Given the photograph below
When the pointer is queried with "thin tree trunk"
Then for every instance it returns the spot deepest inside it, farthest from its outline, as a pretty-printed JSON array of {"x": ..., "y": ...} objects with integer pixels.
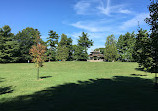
[
  {"x": 38, "y": 73},
  {"x": 156, "y": 79}
]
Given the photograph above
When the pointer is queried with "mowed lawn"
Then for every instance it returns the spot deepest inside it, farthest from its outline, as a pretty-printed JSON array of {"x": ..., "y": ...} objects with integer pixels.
[{"x": 77, "y": 86}]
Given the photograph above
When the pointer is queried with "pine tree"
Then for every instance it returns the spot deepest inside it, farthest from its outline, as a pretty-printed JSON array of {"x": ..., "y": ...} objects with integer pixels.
[
  {"x": 52, "y": 44},
  {"x": 9, "y": 47},
  {"x": 84, "y": 43},
  {"x": 64, "y": 48},
  {"x": 142, "y": 50},
  {"x": 125, "y": 46}
]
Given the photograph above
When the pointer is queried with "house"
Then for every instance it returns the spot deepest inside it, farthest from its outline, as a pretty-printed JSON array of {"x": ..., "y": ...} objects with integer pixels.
[{"x": 96, "y": 56}]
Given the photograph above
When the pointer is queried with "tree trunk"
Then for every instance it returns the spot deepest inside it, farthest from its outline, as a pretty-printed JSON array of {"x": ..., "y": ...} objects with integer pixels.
[
  {"x": 156, "y": 79},
  {"x": 49, "y": 57},
  {"x": 38, "y": 73}
]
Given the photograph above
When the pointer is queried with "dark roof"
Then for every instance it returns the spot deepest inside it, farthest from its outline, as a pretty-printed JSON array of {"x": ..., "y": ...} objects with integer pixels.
[{"x": 96, "y": 54}]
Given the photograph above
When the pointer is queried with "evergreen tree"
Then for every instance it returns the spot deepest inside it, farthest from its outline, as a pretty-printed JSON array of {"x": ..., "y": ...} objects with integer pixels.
[
  {"x": 153, "y": 22},
  {"x": 142, "y": 50},
  {"x": 110, "y": 53},
  {"x": 64, "y": 48},
  {"x": 9, "y": 47},
  {"x": 52, "y": 44},
  {"x": 84, "y": 43},
  {"x": 125, "y": 46}
]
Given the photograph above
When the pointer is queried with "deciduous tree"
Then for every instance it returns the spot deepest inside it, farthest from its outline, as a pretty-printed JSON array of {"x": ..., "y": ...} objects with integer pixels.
[
  {"x": 38, "y": 53},
  {"x": 110, "y": 53}
]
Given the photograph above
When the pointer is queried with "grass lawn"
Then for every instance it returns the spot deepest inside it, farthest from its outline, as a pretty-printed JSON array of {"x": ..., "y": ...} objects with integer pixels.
[{"x": 77, "y": 86}]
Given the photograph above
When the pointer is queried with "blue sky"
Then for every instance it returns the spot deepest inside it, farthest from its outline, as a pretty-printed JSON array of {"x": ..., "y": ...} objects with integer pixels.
[{"x": 99, "y": 18}]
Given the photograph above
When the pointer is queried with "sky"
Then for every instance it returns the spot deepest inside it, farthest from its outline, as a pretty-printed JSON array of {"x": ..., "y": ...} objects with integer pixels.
[{"x": 98, "y": 18}]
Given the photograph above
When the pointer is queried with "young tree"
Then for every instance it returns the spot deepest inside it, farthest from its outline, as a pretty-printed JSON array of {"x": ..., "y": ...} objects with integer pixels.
[
  {"x": 110, "y": 53},
  {"x": 52, "y": 43},
  {"x": 84, "y": 43},
  {"x": 9, "y": 47},
  {"x": 38, "y": 53}
]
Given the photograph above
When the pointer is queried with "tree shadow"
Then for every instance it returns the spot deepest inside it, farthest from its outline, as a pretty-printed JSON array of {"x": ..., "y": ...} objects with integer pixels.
[
  {"x": 4, "y": 90},
  {"x": 139, "y": 69},
  {"x": 118, "y": 94},
  {"x": 138, "y": 75},
  {"x": 43, "y": 77}
]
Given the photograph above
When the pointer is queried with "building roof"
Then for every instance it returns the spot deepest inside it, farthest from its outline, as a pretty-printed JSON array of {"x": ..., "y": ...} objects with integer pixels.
[{"x": 95, "y": 54}]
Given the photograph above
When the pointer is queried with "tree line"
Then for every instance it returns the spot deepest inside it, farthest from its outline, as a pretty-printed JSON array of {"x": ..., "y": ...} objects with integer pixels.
[{"x": 16, "y": 47}]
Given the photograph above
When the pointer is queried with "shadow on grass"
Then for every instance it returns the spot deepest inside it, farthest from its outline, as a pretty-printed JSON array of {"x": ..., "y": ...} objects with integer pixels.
[
  {"x": 138, "y": 75},
  {"x": 43, "y": 77},
  {"x": 118, "y": 94},
  {"x": 139, "y": 69},
  {"x": 4, "y": 90}
]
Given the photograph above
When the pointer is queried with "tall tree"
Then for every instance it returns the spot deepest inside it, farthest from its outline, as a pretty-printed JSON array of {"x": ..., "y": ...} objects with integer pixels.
[
  {"x": 142, "y": 50},
  {"x": 52, "y": 44},
  {"x": 125, "y": 46},
  {"x": 84, "y": 43},
  {"x": 110, "y": 53},
  {"x": 64, "y": 48},
  {"x": 153, "y": 22},
  {"x": 38, "y": 53},
  {"x": 9, "y": 47},
  {"x": 26, "y": 38}
]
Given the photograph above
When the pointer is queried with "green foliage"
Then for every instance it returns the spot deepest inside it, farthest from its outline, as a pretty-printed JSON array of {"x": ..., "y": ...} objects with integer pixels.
[
  {"x": 52, "y": 43},
  {"x": 153, "y": 22},
  {"x": 110, "y": 53},
  {"x": 142, "y": 50},
  {"x": 84, "y": 43},
  {"x": 100, "y": 49},
  {"x": 125, "y": 46},
  {"x": 64, "y": 49},
  {"x": 9, "y": 47},
  {"x": 26, "y": 38}
]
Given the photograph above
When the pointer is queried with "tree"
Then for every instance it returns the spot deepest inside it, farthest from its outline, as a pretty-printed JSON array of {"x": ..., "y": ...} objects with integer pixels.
[
  {"x": 84, "y": 43},
  {"x": 38, "y": 53},
  {"x": 153, "y": 22},
  {"x": 9, "y": 47},
  {"x": 125, "y": 46},
  {"x": 142, "y": 50},
  {"x": 100, "y": 49},
  {"x": 26, "y": 38},
  {"x": 110, "y": 53},
  {"x": 77, "y": 52},
  {"x": 52, "y": 44},
  {"x": 64, "y": 48}
]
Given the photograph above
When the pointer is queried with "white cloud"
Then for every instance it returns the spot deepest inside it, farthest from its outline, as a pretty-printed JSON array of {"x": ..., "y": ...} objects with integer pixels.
[
  {"x": 87, "y": 7},
  {"x": 88, "y": 27},
  {"x": 134, "y": 21},
  {"x": 125, "y": 11},
  {"x": 81, "y": 7}
]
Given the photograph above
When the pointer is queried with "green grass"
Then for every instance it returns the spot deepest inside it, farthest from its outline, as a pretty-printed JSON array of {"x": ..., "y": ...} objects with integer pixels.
[{"x": 76, "y": 86}]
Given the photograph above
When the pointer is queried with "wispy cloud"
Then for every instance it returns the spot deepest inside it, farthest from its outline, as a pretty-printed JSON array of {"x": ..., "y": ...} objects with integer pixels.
[
  {"x": 81, "y": 7},
  {"x": 134, "y": 21},
  {"x": 85, "y": 7}
]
